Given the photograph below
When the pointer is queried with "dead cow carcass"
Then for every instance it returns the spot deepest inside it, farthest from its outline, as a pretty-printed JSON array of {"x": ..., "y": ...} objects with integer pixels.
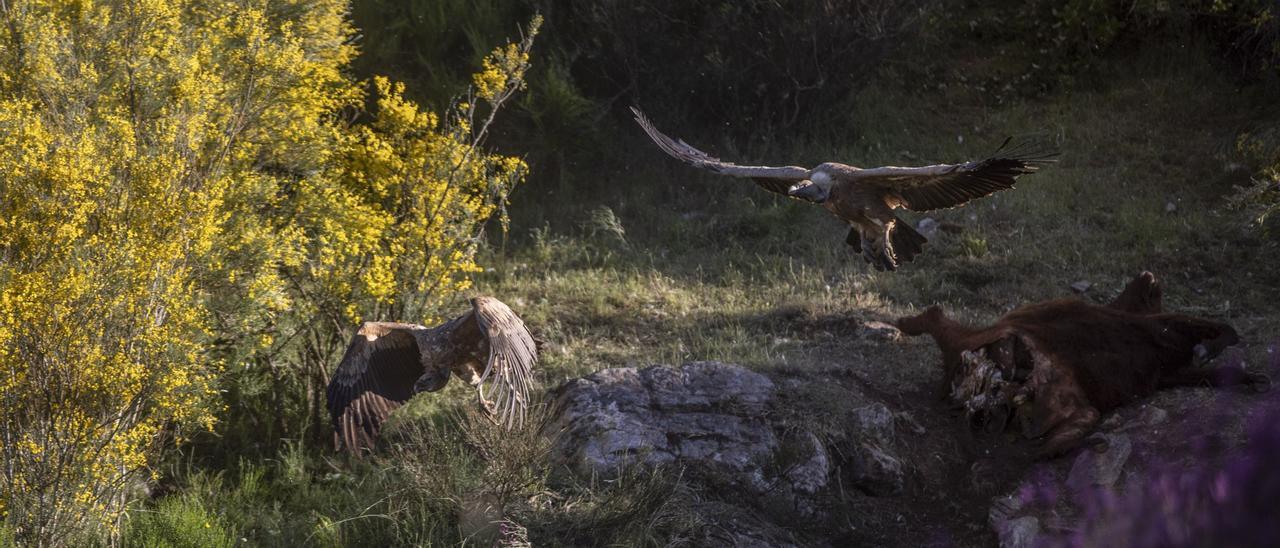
[{"x": 1055, "y": 366}]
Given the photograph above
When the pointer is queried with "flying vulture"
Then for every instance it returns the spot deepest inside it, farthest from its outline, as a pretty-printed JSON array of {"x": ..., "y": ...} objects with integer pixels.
[
  {"x": 866, "y": 198},
  {"x": 387, "y": 363}
]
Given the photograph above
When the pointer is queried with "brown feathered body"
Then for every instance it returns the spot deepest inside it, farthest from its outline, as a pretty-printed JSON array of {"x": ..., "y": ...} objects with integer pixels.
[
  {"x": 386, "y": 363},
  {"x": 865, "y": 198},
  {"x": 1055, "y": 366}
]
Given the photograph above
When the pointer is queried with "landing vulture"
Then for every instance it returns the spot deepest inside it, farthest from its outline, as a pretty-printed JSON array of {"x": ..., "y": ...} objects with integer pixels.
[
  {"x": 866, "y": 198},
  {"x": 387, "y": 363}
]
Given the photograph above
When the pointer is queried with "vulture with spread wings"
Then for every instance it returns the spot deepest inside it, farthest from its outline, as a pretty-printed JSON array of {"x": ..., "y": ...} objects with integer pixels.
[
  {"x": 387, "y": 363},
  {"x": 866, "y": 198}
]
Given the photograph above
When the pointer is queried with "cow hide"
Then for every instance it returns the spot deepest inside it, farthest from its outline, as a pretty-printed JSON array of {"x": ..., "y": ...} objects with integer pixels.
[{"x": 1052, "y": 368}]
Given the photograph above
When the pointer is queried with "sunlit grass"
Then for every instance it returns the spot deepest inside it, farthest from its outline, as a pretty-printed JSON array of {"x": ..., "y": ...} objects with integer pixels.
[{"x": 668, "y": 265}]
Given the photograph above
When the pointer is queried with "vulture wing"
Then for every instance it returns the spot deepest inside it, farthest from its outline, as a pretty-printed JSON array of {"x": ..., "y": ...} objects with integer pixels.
[
  {"x": 375, "y": 377},
  {"x": 773, "y": 179},
  {"x": 950, "y": 185},
  {"x": 512, "y": 355}
]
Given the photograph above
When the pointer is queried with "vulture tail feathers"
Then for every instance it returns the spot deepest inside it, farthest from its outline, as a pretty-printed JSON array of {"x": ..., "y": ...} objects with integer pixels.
[
  {"x": 854, "y": 239},
  {"x": 902, "y": 245},
  {"x": 907, "y": 243}
]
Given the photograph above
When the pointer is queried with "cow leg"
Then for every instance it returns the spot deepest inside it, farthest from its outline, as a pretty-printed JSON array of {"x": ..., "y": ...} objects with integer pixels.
[
  {"x": 1141, "y": 296},
  {"x": 1215, "y": 376},
  {"x": 1060, "y": 416},
  {"x": 1069, "y": 434}
]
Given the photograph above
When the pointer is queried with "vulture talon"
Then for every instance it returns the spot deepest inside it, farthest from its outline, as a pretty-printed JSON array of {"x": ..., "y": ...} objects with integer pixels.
[
  {"x": 866, "y": 198},
  {"x": 487, "y": 408}
]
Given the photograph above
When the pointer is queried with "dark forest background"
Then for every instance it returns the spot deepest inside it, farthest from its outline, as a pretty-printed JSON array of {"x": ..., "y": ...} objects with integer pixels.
[{"x": 753, "y": 77}]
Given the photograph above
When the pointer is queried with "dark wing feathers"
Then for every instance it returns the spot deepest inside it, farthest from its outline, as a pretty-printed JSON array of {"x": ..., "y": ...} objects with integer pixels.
[
  {"x": 374, "y": 378},
  {"x": 512, "y": 355},
  {"x": 774, "y": 185},
  {"x": 950, "y": 185},
  {"x": 966, "y": 183},
  {"x": 781, "y": 177}
]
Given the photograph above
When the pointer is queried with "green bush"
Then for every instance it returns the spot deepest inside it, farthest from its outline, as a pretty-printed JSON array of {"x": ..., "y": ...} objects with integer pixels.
[
  {"x": 1260, "y": 199},
  {"x": 178, "y": 522},
  {"x": 1052, "y": 42}
]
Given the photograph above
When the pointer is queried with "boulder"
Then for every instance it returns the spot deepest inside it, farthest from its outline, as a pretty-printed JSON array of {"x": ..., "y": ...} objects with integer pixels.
[
  {"x": 1093, "y": 469},
  {"x": 1019, "y": 533},
  {"x": 875, "y": 468},
  {"x": 706, "y": 417},
  {"x": 704, "y": 413},
  {"x": 1147, "y": 455}
]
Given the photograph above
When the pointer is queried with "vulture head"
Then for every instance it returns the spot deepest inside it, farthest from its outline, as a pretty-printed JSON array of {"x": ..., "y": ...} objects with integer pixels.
[
  {"x": 432, "y": 380},
  {"x": 816, "y": 188},
  {"x": 809, "y": 191}
]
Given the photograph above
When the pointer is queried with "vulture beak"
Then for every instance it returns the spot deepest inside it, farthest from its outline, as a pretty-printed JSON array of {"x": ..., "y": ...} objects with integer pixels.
[{"x": 806, "y": 190}]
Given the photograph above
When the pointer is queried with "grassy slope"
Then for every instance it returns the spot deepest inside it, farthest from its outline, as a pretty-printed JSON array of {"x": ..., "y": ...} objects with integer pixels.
[
  {"x": 714, "y": 269},
  {"x": 722, "y": 270},
  {"x": 684, "y": 266}
]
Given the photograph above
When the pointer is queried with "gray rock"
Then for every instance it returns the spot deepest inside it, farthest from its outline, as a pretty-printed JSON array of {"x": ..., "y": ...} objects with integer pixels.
[
  {"x": 704, "y": 413},
  {"x": 1003, "y": 509},
  {"x": 1022, "y": 532},
  {"x": 707, "y": 417},
  {"x": 876, "y": 469},
  {"x": 1112, "y": 422},
  {"x": 1153, "y": 416},
  {"x": 1081, "y": 286},
  {"x": 1148, "y": 417},
  {"x": 813, "y": 474},
  {"x": 1100, "y": 469},
  {"x": 875, "y": 423},
  {"x": 1012, "y": 530},
  {"x": 1142, "y": 440},
  {"x": 876, "y": 472}
]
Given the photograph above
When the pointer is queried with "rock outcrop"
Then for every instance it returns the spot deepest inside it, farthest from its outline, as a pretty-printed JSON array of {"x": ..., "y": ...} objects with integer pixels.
[
  {"x": 1174, "y": 436},
  {"x": 704, "y": 413},
  {"x": 822, "y": 451},
  {"x": 708, "y": 418}
]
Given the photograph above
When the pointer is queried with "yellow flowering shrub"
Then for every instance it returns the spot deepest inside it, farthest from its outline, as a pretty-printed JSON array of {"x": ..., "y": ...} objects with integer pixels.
[
  {"x": 498, "y": 68},
  {"x": 184, "y": 201}
]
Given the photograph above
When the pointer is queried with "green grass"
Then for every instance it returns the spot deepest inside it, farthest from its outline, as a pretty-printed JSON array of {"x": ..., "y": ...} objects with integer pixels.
[
  {"x": 705, "y": 276},
  {"x": 656, "y": 263}
]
